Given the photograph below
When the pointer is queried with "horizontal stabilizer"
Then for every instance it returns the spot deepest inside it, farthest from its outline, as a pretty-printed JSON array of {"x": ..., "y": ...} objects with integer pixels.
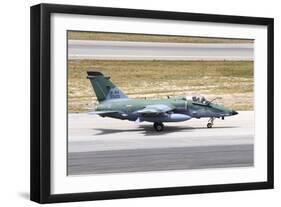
[
  {"x": 103, "y": 112},
  {"x": 94, "y": 73}
]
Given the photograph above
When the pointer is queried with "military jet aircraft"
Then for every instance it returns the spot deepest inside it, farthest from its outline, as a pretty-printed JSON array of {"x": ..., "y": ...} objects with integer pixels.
[{"x": 114, "y": 103}]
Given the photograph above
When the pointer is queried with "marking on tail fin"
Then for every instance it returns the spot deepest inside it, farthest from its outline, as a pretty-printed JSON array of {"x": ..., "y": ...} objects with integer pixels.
[{"x": 114, "y": 93}]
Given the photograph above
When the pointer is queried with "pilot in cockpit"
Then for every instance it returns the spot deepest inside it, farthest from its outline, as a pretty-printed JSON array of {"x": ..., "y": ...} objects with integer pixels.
[
  {"x": 199, "y": 99},
  {"x": 202, "y": 99}
]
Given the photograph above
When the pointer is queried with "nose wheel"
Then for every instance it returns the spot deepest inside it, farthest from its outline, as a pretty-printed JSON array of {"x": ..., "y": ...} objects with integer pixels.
[
  {"x": 210, "y": 122},
  {"x": 158, "y": 126}
]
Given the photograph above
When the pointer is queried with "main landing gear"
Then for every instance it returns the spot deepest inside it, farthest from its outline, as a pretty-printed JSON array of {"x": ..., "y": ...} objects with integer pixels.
[
  {"x": 158, "y": 126},
  {"x": 210, "y": 122}
]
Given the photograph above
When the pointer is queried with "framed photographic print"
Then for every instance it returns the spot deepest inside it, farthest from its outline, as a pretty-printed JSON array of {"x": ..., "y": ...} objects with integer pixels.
[{"x": 133, "y": 103}]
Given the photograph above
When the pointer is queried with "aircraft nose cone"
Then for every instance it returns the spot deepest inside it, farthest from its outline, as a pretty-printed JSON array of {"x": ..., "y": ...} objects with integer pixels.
[{"x": 234, "y": 112}]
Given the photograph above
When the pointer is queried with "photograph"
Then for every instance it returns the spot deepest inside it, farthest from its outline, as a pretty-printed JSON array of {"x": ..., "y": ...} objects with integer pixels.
[
  {"x": 157, "y": 102},
  {"x": 129, "y": 103}
]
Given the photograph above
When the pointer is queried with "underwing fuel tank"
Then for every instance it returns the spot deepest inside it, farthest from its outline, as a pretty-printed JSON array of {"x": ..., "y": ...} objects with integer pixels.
[{"x": 166, "y": 118}]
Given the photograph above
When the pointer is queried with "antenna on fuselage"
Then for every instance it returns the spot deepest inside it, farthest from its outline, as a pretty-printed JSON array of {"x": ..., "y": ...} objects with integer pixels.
[{"x": 215, "y": 99}]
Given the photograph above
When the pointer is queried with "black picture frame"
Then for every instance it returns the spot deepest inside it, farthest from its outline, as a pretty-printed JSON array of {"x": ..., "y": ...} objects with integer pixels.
[{"x": 41, "y": 98}]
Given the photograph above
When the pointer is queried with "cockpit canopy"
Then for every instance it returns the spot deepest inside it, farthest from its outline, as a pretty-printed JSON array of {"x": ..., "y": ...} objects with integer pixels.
[{"x": 197, "y": 99}]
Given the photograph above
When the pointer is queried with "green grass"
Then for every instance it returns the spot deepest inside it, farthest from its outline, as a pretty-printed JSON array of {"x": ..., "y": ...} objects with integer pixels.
[
  {"x": 232, "y": 80},
  {"x": 74, "y": 35}
]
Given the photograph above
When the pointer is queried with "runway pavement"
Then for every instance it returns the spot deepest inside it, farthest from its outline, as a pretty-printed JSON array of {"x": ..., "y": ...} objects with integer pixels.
[
  {"x": 122, "y": 50},
  {"x": 103, "y": 145}
]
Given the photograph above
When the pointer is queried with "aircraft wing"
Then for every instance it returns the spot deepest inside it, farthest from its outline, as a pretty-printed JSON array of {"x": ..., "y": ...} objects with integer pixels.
[{"x": 155, "y": 109}]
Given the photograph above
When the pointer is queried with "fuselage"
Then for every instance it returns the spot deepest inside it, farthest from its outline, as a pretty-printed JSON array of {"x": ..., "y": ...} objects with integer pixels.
[{"x": 183, "y": 109}]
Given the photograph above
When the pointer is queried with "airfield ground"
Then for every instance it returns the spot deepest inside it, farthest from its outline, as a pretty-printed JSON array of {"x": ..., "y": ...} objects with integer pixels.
[
  {"x": 106, "y": 36},
  {"x": 231, "y": 80},
  {"x": 103, "y": 145}
]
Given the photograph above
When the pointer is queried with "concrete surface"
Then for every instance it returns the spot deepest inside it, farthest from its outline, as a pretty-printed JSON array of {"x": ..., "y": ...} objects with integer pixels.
[
  {"x": 121, "y": 50},
  {"x": 105, "y": 145}
]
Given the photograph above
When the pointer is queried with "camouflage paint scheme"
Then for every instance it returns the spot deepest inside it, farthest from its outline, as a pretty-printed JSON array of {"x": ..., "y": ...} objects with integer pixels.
[{"x": 115, "y": 104}]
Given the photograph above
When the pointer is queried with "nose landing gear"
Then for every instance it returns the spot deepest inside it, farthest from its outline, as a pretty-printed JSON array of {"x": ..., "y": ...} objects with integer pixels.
[
  {"x": 210, "y": 122},
  {"x": 158, "y": 126}
]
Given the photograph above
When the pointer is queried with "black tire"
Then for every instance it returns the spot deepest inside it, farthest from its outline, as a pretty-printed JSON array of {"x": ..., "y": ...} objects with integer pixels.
[
  {"x": 158, "y": 126},
  {"x": 209, "y": 125}
]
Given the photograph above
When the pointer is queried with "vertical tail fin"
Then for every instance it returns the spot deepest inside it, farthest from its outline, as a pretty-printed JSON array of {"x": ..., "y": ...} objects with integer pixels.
[{"x": 103, "y": 87}]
